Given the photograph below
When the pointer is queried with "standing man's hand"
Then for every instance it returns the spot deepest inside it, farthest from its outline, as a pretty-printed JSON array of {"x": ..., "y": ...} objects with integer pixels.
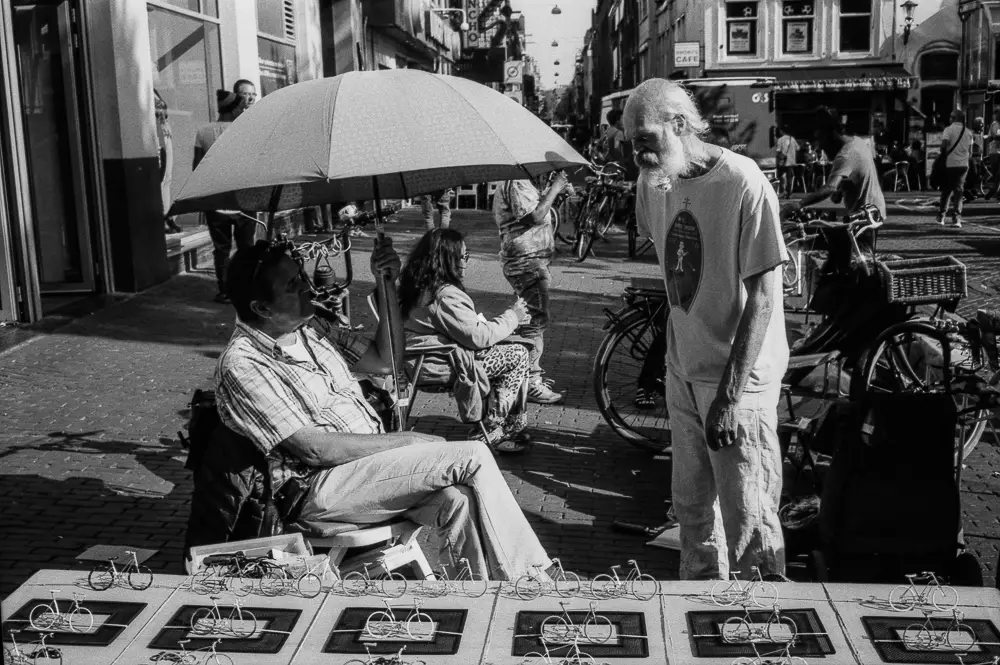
[
  {"x": 385, "y": 261},
  {"x": 560, "y": 182},
  {"x": 721, "y": 424}
]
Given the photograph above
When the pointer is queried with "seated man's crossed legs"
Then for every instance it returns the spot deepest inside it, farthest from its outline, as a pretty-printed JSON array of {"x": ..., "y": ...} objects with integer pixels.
[{"x": 454, "y": 488}]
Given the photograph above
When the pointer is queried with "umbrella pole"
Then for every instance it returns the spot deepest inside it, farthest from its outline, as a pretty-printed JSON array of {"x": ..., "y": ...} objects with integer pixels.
[
  {"x": 272, "y": 210},
  {"x": 380, "y": 285}
]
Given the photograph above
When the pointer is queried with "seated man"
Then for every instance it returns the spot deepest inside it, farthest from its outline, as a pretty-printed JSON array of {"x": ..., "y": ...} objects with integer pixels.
[{"x": 285, "y": 382}]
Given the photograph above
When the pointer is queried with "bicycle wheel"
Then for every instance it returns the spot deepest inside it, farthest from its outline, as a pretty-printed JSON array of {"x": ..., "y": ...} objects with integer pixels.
[
  {"x": 527, "y": 587},
  {"x": 606, "y": 222},
  {"x": 617, "y": 367},
  {"x": 565, "y": 224},
  {"x": 968, "y": 640},
  {"x": 908, "y": 358},
  {"x": 12, "y": 657},
  {"x": 81, "y": 620},
  {"x": 582, "y": 658},
  {"x": 724, "y": 594},
  {"x": 243, "y": 623},
  {"x": 604, "y": 587},
  {"x": 790, "y": 272},
  {"x": 310, "y": 585},
  {"x": 597, "y": 629},
  {"x": 556, "y": 630},
  {"x": 568, "y": 585},
  {"x": 903, "y": 598},
  {"x": 42, "y": 617},
  {"x": 474, "y": 587},
  {"x": 735, "y": 630},
  {"x": 275, "y": 581},
  {"x": 782, "y": 630},
  {"x": 219, "y": 659},
  {"x": 632, "y": 232},
  {"x": 644, "y": 587},
  {"x": 419, "y": 626},
  {"x": 763, "y": 594},
  {"x": 140, "y": 579},
  {"x": 392, "y": 585},
  {"x": 354, "y": 584},
  {"x": 240, "y": 585},
  {"x": 918, "y": 636},
  {"x": 944, "y": 598},
  {"x": 589, "y": 230},
  {"x": 379, "y": 624},
  {"x": 529, "y": 658},
  {"x": 203, "y": 621},
  {"x": 101, "y": 578}
]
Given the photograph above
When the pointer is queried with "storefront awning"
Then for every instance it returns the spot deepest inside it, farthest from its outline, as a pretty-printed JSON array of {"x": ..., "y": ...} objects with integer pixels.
[{"x": 831, "y": 79}]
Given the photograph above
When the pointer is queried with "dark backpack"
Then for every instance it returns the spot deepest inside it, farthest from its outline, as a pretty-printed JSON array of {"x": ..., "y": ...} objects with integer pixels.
[{"x": 201, "y": 427}]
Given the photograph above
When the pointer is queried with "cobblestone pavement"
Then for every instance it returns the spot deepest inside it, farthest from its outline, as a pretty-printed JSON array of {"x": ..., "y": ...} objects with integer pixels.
[{"x": 89, "y": 452}]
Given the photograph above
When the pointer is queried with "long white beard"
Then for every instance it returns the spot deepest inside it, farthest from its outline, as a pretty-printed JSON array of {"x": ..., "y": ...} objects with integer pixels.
[{"x": 670, "y": 165}]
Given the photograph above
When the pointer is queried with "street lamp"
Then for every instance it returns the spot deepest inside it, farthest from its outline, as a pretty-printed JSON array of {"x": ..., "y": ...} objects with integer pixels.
[
  {"x": 555, "y": 43},
  {"x": 556, "y": 62},
  {"x": 556, "y": 10},
  {"x": 908, "y": 8},
  {"x": 465, "y": 23}
]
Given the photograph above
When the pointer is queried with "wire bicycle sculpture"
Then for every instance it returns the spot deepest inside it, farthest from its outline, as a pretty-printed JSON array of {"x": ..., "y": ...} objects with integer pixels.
[
  {"x": 78, "y": 619},
  {"x": 744, "y": 629},
  {"x": 906, "y": 597},
  {"x": 466, "y": 583},
  {"x": 595, "y": 629},
  {"x": 384, "y": 623},
  {"x": 926, "y": 637},
  {"x": 636, "y": 583},
  {"x": 534, "y": 584},
  {"x": 737, "y": 592}
]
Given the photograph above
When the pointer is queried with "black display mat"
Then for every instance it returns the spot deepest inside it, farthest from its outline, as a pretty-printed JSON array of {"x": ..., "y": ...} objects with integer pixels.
[
  {"x": 630, "y": 625},
  {"x": 806, "y": 621},
  {"x": 118, "y": 617},
  {"x": 346, "y": 634},
  {"x": 273, "y": 627},
  {"x": 891, "y": 628}
]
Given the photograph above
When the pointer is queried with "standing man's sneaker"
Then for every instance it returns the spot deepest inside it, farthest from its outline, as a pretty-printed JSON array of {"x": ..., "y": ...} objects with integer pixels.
[
  {"x": 956, "y": 222},
  {"x": 539, "y": 392},
  {"x": 940, "y": 218}
]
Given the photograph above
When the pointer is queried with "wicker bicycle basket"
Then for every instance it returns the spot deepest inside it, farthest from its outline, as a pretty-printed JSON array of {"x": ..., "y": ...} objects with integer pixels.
[{"x": 916, "y": 281}]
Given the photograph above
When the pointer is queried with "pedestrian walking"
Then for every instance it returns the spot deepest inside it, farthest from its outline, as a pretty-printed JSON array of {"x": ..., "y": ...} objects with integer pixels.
[
  {"x": 786, "y": 152},
  {"x": 165, "y": 145},
  {"x": 993, "y": 153},
  {"x": 526, "y": 247},
  {"x": 956, "y": 144},
  {"x": 713, "y": 216},
  {"x": 224, "y": 227},
  {"x": 441, "y": 202},
  {"x": 974, "y": 183}
]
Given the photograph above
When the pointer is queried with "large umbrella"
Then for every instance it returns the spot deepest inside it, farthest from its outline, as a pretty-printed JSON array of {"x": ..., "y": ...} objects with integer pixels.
[{"x": 389, "y": 134}]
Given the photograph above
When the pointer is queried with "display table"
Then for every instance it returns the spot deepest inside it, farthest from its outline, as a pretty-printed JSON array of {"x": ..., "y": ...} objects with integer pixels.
[{"x": 681, "y": 623}]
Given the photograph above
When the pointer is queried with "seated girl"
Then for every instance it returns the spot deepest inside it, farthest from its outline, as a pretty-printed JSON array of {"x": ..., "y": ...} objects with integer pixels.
[{"x": 438, "y": 311}]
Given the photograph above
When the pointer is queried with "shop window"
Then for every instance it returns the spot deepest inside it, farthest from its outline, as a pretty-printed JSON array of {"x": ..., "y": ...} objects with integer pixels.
[
  {"x": 741, "y": 28},
  {"x": 855, "y": 26},
  {"x": 276, "y": 44},
  {"x": 797, "y": 26},
  {"x": 207, "y": 7},
  {"x": 939, "y": 66},
  {"x": 276, "y": 18},
  {"x": 187, "y": 70}
]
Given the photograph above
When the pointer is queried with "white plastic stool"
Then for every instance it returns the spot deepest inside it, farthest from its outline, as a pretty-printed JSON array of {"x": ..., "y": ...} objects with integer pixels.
[{"x": 399, "y": 545}]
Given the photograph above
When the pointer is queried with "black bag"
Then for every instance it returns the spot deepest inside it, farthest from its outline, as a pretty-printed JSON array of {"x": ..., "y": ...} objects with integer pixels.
[{"x": 201, "y": 426}]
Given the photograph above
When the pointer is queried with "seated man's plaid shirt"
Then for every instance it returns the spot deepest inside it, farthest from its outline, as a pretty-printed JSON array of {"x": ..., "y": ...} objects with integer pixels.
[{"x": 267, "y": 396}]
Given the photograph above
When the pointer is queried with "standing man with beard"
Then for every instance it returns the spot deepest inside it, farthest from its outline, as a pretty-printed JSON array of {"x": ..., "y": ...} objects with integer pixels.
[{"x": 714, "y": 219}]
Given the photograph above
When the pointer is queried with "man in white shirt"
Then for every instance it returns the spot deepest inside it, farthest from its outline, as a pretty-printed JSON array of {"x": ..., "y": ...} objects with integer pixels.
[
  {"x": 786, "y": 152},
  {"x": 956, "y": 143},
  {"x": 713, "y": 217}
]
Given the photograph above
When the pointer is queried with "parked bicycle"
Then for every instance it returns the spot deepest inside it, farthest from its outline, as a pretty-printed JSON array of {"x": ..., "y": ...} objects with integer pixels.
[
  {"x": 239, "y": 622},
  {"x": 107, "y": 574},
  {"x": 390, "y": 584},
  {"x": 532, "y": 585},
  {"x": 596, "y": 628},
  {"x": 601, "y": 206},
  {"x": 737, "y": 592},
  {"x": 636, "y": 583},
  {"x": 77, "y": 619},
  {"x": 466, "y": 582},
  {"x": 908, "y": 596},
  {"x": 384, "y": 624},
  {"x": 16, "y": 655},
  {"x": 204, "y": 656},
  {"x": 954, "y": 636}
]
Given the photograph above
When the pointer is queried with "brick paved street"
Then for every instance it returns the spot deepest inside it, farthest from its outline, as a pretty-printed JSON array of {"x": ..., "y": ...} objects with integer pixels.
[{"x": 90, "y": 413}]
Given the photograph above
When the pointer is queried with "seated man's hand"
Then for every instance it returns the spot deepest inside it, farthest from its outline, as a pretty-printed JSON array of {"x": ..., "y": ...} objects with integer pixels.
[
  {"x": 788, "y": 208},
  {"x": 385, "y": 260}
]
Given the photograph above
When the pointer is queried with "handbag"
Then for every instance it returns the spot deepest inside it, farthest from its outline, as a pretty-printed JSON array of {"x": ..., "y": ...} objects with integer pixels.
[{"x": 937, "y": 168}]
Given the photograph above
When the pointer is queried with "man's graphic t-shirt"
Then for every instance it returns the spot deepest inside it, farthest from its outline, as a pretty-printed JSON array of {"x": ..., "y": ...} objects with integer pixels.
[{"x": 711, "y": 233}]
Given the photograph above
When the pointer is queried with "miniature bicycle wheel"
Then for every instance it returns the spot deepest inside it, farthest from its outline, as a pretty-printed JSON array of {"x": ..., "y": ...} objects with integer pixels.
[
  {"x": 725, "y": 594},
  {"x": 736, "y": 630},
  {"x": 944, "y": 598},
  {"x": 597, "y": 629},
  {"x": 645, "y": 587},
  {"x": 379, "y": 624},
  {"x": 243, "y": 623},
  {"x": 219, "y": 659},
  {"x": 310, "y": 585},
  {"x": 528, "y": 587},
  {"x": 764, "y": 594},
  {"x": 557, "y": 630},
  {"x": 81, "y": 620},
  {"x": 167, "y": 657},
  {"x": 529, "y": 658},
  {"x": 354, "y": 584},
  {"x": 101, "y": 578},
  {"x": 140, "y": 579},
  {"x": 42, "y": 617},
  {"x": 474, "y": 586},
  {"x": 438, "y": 586},
  {"x": 603, "y": 586},
  {"x": 203, "y": 621},
  {"x": 777, "y": 628},
  {"x": 274, "y": 582},
  {"x": 903, "y": 598},
  {"x": 240, "y": 585},
  {"x": 419, "y": 625},
  {"x": 582, "y": 659},
  {"x": 392, "y": 585},
  {"x": 568, "y": 585},
  {"x": 968, "y": 642},
  {"x": 918, "y": 636}
]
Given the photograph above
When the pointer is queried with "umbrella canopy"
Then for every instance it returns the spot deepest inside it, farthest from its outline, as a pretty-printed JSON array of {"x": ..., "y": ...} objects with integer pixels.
[{"x": 329, "y": 140}]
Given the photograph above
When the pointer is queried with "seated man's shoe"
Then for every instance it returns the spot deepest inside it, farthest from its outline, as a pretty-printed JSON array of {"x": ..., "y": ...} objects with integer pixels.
[
  {"x": 644, "y": 399},
  {"x": 221, "y": 298},
  {"x": 540, "y": 392}
]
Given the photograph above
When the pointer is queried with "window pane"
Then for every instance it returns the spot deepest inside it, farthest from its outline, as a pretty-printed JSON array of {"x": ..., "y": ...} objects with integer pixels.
[
  {"x": 190, "y": 5},
  {"x": 741, "y": 37},
  {"x": 939, "y": 66},
  {"x": 741, "y": 9},
  {"x": 855, "y": 33},
  {"x": 793, "y": 8},
  {"x": 797, "y": 35},
  {"x": 277, "y": 65},
  {"x": 270, "y": 17},
  {"x": 210, "y": 7},
  {"x": 855, "y": 6},
  {"x": 187, "y": 70}
]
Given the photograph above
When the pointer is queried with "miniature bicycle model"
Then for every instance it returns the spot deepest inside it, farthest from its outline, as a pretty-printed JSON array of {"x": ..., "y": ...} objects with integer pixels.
[
  {"x": 17, "y": 656},
  {"x": 531, "y": 585},
  {"x": 925, "y": 636},
  {"x": 637, "y": 584},
  {"x": 596, "y": 628},
  {"x": 573, "y": 656},
  {"x": 310, "y": 583},
  {"x": 395, "y": 659},
  {"x": 467, "y": 582},
  {"x": 384, "y": 623},
  {"x": 208, "y": 620},
  {"x": 743, "y": 629},
  {"x": 906, "y": 597},
  {"x": 358, "y": 584},
  {"x": 736, "y": 591},
  {"x": 78, "y": 619},
  {"x": 102, "y": 577},
  {"x": 196, "y": 657},
  {"x": 785, "y": 657}
]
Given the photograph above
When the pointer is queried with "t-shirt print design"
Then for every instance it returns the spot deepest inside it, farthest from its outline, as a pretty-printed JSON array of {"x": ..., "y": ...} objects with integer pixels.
[{"x": 683, "y": 258}]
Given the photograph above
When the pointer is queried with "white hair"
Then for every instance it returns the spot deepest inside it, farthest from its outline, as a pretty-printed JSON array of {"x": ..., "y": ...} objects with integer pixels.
[{"x": 666, "y": 100}]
